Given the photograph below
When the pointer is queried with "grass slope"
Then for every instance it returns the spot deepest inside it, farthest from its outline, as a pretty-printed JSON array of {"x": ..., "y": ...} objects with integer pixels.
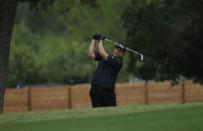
[{"x": 186, "y": 117}]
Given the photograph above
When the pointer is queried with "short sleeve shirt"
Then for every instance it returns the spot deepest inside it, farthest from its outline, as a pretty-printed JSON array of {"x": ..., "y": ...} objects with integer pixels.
[{"x": 106, "y": 71}]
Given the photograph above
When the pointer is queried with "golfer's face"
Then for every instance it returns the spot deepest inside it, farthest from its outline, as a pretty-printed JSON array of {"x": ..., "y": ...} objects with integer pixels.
[{"x": 118, "y": 52}]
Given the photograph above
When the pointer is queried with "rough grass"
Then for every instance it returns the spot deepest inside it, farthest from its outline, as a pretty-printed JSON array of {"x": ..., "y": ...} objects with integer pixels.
[{"x": 187, "y": 117}]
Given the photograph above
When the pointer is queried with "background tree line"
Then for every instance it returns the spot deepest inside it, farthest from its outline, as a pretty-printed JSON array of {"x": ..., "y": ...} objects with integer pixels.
[
  {"x": 47, "y": 47},
  {"x": 169, "y": 32},
  {"x": 53, "y": 48}
]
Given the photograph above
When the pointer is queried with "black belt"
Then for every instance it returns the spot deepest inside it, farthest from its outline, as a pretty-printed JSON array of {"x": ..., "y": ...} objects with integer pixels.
[{"x": 101, "y": 88}]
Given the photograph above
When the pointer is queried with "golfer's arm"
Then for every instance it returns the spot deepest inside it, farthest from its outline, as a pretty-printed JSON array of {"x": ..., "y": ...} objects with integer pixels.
[
  {"x": 102, "y": 51},
  {"x": 92, "y": 47}
]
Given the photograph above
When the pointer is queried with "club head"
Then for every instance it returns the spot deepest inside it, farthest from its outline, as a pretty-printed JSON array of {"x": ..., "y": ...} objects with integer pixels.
[{"x": 142, "y": 57}]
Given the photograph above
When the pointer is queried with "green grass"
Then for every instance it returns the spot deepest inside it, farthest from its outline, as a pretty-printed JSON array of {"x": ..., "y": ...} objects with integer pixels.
[{"x": 179, "y": 117}]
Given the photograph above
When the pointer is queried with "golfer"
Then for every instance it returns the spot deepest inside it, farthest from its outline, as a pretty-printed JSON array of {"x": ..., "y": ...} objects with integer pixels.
[{"x": 102, "y": 92}]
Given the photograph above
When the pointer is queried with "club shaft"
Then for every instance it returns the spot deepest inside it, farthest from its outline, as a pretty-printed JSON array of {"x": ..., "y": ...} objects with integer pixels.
[{"x": 133, "y": 51}]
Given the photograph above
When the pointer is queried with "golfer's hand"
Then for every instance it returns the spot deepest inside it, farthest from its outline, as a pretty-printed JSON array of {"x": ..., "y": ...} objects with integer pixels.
[
  {"x": 96, "y": 37},
  {"x": 102, "y": 38}
]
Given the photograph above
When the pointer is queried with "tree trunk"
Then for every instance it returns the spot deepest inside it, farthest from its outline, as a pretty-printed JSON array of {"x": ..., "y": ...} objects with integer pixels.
[{"x": 7, "y": 17}]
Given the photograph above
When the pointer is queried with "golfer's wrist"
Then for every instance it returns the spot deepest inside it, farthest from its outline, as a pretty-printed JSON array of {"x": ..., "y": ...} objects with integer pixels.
[
  {"x": 93, "y": 41},
  {"x": 100, "y": 44}
]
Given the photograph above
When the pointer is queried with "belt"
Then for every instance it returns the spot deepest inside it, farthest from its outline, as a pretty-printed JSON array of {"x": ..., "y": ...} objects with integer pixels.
[{"x": 101, "y": 88}]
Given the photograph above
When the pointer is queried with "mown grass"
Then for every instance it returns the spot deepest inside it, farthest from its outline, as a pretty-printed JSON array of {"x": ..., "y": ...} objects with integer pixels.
[{"x": 179, "y": 117}]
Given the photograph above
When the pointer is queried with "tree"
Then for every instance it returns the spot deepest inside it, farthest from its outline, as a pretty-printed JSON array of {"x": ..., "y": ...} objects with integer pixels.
[
  {"x": 7, "y": 15},
  {"x": 57, "y": 55},
  {"x": 22, "y": 66},
  {"x": 169, "y": 33}
]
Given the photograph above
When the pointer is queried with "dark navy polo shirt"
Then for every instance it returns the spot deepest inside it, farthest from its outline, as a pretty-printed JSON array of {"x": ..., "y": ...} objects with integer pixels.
[{"x": 107, "y": 71}]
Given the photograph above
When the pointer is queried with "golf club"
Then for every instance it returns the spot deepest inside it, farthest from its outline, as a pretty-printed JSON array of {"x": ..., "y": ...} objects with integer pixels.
[{"x": 115, "y": 43}]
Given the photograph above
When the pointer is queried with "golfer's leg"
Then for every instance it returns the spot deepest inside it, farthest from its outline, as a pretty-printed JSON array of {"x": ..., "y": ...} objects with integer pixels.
[
  {"x": 95, "y": 98},
  {"x": 112, "y": 99},
  {"x": 108, "y": 99}
]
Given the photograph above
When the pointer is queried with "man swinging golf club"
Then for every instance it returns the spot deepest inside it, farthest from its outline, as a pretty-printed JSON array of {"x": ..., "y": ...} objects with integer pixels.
[{"x": 102, "y": 92}]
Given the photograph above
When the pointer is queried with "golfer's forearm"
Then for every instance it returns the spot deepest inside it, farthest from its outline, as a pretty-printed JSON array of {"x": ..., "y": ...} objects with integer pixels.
[
  {"x": 92, "y": 47},
  {"x": 102, "y": 51}
]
